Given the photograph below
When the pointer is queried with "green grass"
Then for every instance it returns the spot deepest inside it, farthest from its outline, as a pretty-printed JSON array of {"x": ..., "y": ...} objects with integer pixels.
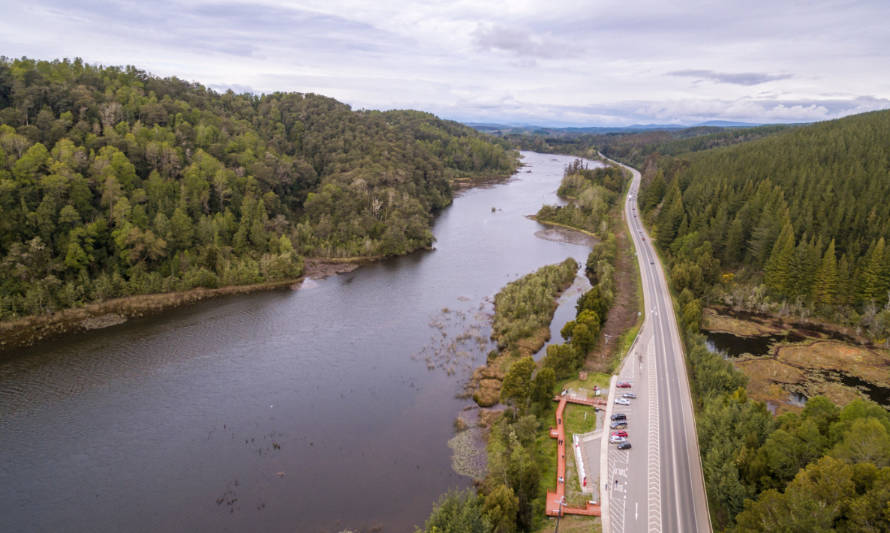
[
  {"x": 574, "y": 496},
  {"x": 578, "y": 419},
  {"x": 593, "y": 378}
]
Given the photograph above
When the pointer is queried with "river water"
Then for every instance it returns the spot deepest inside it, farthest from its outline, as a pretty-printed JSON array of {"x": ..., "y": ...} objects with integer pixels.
[{"x": 318, "y": 409}]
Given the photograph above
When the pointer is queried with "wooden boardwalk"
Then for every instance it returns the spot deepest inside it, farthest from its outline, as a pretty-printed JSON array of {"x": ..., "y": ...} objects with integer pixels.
[{"x": 556, "y": 500}]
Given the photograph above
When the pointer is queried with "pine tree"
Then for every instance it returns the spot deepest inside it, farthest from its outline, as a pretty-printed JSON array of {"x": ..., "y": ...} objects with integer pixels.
[
  {"x": 825, "y": 286},
  {"x": 671, "y": 215},
  {"x": 776, "y": 273},
  {"x": 871, "y": 286},
  {"x": 735, "y": 242}
]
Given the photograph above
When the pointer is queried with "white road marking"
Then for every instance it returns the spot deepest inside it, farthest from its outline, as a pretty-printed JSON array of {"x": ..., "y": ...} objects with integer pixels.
[{"x": 653, "y": 481}]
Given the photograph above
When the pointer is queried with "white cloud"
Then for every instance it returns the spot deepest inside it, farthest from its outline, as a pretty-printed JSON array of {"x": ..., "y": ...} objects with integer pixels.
[{"x": 569, "y": 62}]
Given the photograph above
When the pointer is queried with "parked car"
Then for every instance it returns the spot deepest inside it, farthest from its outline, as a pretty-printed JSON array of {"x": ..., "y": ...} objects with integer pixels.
[
  {"x": 630, "y": 395},
  {"x": 624, "y": 445},
  {"x": 618, "y": 424},
  {"x": 619, "y": 416},
  {"x": 619, "y": 433},
  {"x": 615, "y": 439},
  {"x": 623, "y": 385},
  {"x": 622, "y": 401}
]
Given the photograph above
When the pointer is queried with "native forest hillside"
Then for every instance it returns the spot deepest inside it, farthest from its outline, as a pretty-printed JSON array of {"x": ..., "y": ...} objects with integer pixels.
[
  {"x": 115, "y": 182},
  {"x": 797, "y": 221}
]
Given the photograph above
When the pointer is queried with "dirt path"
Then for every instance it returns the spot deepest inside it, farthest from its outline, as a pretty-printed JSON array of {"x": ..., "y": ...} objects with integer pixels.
[{"x": 623, "y": 314}]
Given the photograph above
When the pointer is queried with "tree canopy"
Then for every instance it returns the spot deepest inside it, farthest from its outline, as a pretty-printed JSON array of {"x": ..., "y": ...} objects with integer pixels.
[
  {"x": 115, "y": 182},
  {"x": 799, "y": 217}
]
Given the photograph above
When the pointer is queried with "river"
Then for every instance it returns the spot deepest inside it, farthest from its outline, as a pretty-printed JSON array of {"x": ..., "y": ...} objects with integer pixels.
[{"x": 318, "y": 409}]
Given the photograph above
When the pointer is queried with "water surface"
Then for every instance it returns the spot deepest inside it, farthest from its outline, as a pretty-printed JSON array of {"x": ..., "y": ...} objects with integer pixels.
[{"x": 314, "y": 409}]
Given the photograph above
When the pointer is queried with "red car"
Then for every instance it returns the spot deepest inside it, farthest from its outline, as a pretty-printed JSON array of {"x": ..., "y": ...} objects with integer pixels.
[
  {"x": 623, "y": 385},
  {"x": 618, "y": 434}
]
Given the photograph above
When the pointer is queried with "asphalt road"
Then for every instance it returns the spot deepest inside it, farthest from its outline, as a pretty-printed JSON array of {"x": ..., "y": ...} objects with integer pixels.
[{"x": 659, "y": 480}]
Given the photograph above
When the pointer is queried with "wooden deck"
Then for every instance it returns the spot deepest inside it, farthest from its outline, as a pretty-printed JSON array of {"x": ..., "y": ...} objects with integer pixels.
[{"x": 556, "y": 500}]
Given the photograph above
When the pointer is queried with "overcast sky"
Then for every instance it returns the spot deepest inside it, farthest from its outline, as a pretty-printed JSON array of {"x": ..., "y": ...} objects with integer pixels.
[{"x": 546, "y": 62}]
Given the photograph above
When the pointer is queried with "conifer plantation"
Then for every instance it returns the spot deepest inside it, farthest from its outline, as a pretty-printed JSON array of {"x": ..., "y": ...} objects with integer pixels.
[
  {"x": 795, "y": 222},
  {"x": 114, "y": 182}
]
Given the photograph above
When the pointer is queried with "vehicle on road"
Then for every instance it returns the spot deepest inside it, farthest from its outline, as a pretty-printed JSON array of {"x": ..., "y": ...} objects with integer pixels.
[
  {"x": 617, "y": 440},
  {"x": 651, "y": 262},
  {"x": 618, "y": 424},
  {"x": 619, "y": 416},
  {"x": 623, "y": 385},
  {"x": 624, "y": 445},
  {"x": 622, "y": 401},
  {"x": 630, "y": 395},
  {"x": 618, "y": 434}
]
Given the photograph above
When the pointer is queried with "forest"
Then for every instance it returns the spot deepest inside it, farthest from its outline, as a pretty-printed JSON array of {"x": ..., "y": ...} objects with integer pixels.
[
  {"x": 792, "y": 223},
  {"x": 795, "y": 223},
  {"x": 114, "y": 182},
  {"x": 629, "y": 145},
  {"x": 826, "y": 468},
  {"x": 591, "y": 193}
]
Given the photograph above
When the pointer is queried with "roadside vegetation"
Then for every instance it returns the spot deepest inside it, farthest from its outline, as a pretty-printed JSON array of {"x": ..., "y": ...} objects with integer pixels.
[
  {"x": 826, "y": 468},
  {"x": 114, "y": 182},
  {"x": 582, "y": 334},
  {"x": 592, "y": 194}
]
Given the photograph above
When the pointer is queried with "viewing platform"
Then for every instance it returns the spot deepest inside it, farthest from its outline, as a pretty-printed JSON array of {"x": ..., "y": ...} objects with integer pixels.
[{"x": 555, "y": 505}]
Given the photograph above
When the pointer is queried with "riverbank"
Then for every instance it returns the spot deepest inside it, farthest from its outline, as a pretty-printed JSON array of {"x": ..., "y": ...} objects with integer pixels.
[
  {"x": 523, "y": 310},
  {"x": 561, "y": 225},
  {"x": 30, "y": 330},
  {"x": 27, "y": 331}
]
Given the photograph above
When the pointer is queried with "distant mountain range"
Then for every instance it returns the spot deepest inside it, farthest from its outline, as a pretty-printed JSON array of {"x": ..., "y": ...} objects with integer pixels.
[{"x": 531, "y": 128}]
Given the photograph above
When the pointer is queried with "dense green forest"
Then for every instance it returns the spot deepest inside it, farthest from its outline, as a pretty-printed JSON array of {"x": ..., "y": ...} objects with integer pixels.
[
  {"x": 115, "y": 182},
  {"x": 633, "y": 147},
  {"x": 794, "y": 223}
]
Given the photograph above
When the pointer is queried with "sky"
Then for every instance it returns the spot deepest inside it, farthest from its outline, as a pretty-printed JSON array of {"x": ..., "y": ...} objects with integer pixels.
[{"x": 543, "y": 62}]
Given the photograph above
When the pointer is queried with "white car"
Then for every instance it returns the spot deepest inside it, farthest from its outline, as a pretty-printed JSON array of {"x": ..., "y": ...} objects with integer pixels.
[
  {"x": 622, "y": 401},
  {"x": 615, "y": 439}
]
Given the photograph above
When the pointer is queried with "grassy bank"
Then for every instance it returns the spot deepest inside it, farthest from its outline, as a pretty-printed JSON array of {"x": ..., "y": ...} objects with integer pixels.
[
  {"x": 30, "y": 330},
  {"x": 561, "y": 225},
  {"x": 27, "y": 331}
]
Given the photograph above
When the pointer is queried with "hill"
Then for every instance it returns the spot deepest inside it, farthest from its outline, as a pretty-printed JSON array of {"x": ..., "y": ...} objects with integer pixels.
[
  {"x": 633, "y": 144},
  {"x": 800, "y": 219},
  {"x": 114, "y": 182}
]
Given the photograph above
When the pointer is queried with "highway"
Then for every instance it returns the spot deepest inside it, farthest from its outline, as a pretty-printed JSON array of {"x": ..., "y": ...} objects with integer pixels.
[{"x": 657, "y": 485}]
